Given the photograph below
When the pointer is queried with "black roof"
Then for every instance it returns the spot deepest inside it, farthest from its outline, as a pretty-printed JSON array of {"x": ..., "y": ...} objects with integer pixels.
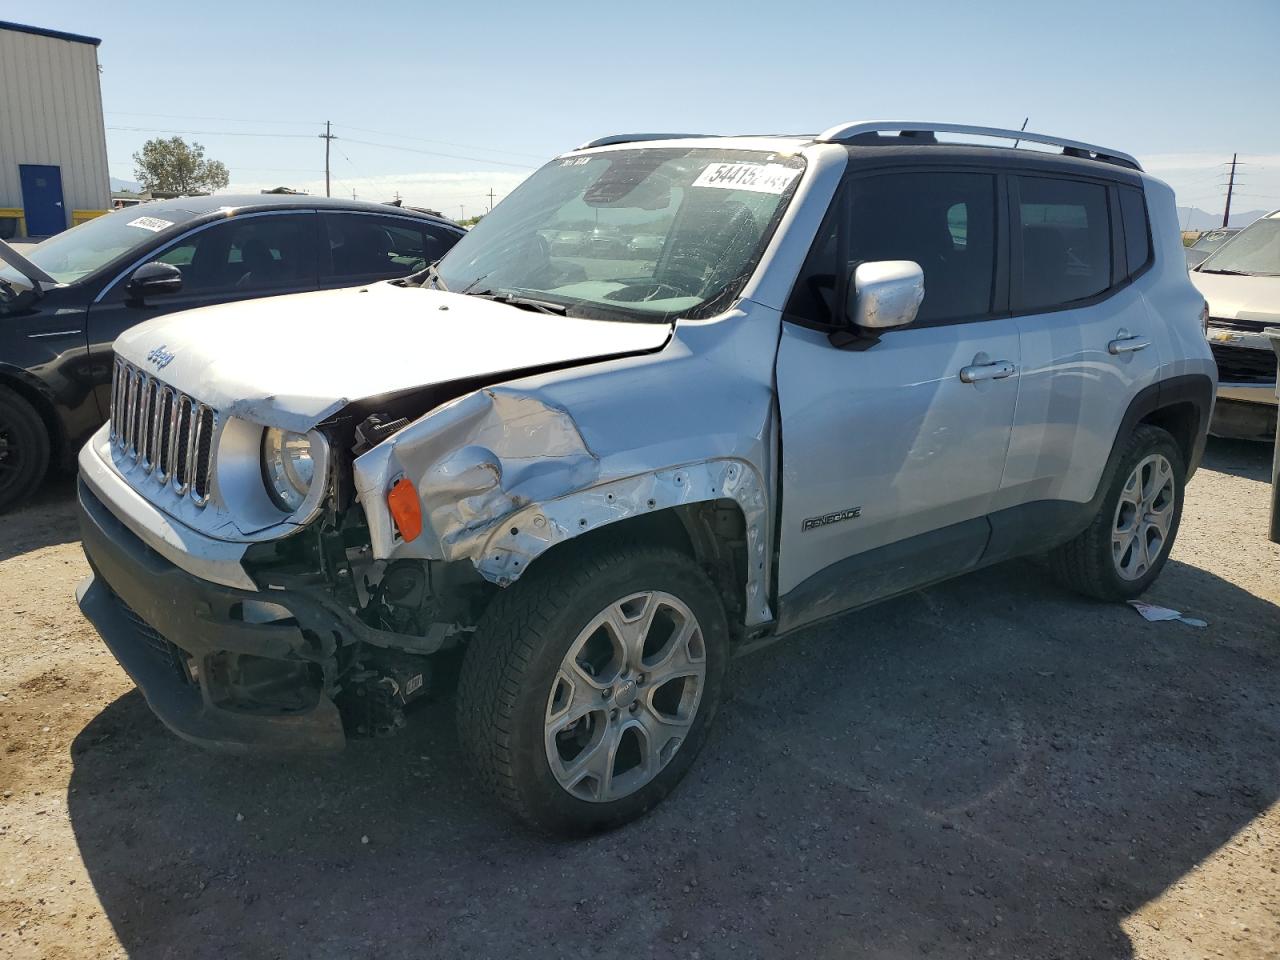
[
  {"x": 248, "y": 202},
  {"x": 45, "y": 32}
]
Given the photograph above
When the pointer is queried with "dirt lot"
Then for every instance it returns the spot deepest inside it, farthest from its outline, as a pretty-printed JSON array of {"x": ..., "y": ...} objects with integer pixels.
[{"x": 990, "y": 768}]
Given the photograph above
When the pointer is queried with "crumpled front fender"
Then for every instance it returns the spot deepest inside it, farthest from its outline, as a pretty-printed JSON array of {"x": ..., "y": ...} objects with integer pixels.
[{"x": 502, "y": 476}]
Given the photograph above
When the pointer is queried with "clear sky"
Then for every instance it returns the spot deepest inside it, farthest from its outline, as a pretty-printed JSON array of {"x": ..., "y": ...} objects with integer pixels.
[{"x": 501, "y": 86}]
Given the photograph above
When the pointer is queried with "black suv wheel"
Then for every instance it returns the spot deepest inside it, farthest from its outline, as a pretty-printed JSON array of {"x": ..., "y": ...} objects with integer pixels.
[{"x": 24, "y": 449}]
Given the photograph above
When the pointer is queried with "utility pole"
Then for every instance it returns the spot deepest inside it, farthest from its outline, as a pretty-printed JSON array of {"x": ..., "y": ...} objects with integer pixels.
[
  {"x": 328, "y": 138},
  {"x": 1231, "y": 184},
  {"x": 491, "y": 199}
]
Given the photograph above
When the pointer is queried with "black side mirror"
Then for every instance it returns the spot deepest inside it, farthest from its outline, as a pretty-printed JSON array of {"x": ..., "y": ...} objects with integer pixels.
[{"x": 154, "y": 279}]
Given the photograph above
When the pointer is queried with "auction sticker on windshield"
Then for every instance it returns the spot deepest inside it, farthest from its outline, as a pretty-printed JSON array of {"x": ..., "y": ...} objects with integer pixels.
[
  {"x": 154, "y": 224},
  {"x": 758, "y": 177}
]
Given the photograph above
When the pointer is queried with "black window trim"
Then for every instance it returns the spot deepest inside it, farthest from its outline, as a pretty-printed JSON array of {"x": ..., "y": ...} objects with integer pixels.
[{"x": 1000, "y": 279}]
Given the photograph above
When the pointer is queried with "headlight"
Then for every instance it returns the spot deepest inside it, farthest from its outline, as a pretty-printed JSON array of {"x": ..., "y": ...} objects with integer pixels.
[{"x": 288, "y": 467}]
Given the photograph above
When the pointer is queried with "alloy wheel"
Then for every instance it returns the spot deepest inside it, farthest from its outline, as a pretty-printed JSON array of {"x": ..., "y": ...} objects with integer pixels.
[
  {"x": 1144, "y": 517},
  {"x": 625, "y": 696}
]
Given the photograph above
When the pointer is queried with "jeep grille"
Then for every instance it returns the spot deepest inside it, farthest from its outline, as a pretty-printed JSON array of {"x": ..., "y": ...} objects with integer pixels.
[{"x": 169, "y": 433}]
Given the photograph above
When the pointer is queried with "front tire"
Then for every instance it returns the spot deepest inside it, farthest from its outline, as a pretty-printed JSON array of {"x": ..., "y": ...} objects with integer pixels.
[
  {"x": 24, "y": 449},
  {"x": 591, "y": 683},
  {"x": 1126, "y": 546}
]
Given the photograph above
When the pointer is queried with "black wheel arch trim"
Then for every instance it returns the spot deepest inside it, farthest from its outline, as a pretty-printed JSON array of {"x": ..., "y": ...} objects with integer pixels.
[{"x": 1196, "y": 389}]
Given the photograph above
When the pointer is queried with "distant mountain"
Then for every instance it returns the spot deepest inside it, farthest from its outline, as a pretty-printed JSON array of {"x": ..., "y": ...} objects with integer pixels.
[
  {"x": 127, "y": 185},
  {"x": 1193, "y": 218}
]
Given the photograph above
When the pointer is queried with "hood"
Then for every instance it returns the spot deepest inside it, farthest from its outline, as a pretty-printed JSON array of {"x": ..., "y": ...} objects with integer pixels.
[
  {"x": 292, "y": 361},
  {"x": 1240, "y": 298}
]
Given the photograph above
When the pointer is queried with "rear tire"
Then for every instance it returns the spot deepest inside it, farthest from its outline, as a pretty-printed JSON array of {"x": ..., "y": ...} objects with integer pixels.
[
  {"x": 24, "y": 449},
  {"x": 1126, "y": 546},
  {"x": 591, "y": 683}
]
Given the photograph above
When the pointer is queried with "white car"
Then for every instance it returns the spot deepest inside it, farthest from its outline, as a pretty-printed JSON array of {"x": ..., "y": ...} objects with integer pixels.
[
  {"x": 860, "y": 363},
  {"x": 1241, "y": 283}
]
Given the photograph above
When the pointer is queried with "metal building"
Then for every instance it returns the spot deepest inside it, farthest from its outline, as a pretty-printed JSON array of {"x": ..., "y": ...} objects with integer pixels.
[{"x": 53, "y": 144}]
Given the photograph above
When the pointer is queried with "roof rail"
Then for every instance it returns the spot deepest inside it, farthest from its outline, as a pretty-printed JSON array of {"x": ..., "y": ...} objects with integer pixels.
[
  {"x": 634, "y": 137},
  {"x": 850, "y": 132}
]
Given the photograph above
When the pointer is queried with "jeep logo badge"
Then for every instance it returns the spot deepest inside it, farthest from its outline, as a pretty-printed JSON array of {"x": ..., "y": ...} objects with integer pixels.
[{"x": 160, "y": 356}]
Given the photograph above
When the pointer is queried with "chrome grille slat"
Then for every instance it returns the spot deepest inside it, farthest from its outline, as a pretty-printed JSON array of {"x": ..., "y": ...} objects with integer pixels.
[
  {"x": 167, "y": 432},
  {"x": 131, "y": 414},
  {"x": 164, "y": 430}
]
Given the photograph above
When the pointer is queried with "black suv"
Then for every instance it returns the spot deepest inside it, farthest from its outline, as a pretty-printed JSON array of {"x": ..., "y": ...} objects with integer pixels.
[{"x": 97, "y": 280}]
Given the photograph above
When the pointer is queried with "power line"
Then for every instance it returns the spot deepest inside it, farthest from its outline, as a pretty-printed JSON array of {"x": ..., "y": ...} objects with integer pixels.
[
  {"x": 447, "y": 143},
  {"x": 187, "y": 116},
  {"x": 212, "y": 133},
  {"x": 434, "y": 153}
]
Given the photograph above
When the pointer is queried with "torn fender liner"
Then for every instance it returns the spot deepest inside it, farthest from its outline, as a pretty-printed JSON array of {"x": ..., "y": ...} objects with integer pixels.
[
  {"x": 521, "y": 537},
  {"x": 474, "y": 461}
]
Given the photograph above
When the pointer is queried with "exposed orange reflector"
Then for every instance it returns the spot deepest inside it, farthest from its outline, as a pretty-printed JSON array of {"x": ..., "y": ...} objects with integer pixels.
[{"x": 402, "y": 499}]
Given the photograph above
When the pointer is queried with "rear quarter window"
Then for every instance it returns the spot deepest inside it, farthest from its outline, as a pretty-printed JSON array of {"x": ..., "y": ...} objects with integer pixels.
[{"x": 1137, "y": 230}]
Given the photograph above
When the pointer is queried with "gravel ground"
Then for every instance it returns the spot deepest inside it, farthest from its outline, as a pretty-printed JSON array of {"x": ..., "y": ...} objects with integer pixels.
[{"x": 992, "y": 767}]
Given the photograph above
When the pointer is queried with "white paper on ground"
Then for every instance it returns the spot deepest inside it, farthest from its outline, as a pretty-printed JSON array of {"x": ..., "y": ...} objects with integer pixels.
[{"x": 1154, "y": 614}]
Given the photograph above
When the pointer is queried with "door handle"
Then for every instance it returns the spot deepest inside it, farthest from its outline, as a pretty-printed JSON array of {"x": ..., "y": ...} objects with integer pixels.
[
  {"x": 993, "y": 370},
  {"x": 1127, "y": 344}
]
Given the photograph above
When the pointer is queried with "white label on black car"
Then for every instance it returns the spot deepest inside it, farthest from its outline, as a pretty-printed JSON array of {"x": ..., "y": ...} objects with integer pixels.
[
  {"x": 757, "y": 177},
  {"x": 154, "y": 224}
]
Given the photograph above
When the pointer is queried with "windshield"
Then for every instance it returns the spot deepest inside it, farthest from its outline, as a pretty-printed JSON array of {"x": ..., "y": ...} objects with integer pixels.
[
  {"x": 1254, "y": 251},
  {"x": 643, "y": 234},
  {"x": 80, "y": 251},
  {"x": 1208, "y": 242}
]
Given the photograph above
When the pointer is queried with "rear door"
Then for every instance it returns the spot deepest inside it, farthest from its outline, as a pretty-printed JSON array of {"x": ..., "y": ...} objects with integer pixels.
[
  {"x": 1089, "y": 341},
  {"x": 891, "y": 459},
  {"x": 249, "y": 256}
]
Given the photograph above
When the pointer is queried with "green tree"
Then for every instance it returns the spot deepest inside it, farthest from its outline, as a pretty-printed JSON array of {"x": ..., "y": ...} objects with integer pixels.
[{"x": 174, "y": 166}]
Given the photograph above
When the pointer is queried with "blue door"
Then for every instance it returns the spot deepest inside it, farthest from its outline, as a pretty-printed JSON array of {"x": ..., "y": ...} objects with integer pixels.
[{"x": 42, "y": 199}]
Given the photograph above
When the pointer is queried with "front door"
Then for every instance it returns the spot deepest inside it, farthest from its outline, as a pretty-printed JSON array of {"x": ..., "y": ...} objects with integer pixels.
[
  {"x": 42, "y": 199},
  {"x": 890, "y": 458}
]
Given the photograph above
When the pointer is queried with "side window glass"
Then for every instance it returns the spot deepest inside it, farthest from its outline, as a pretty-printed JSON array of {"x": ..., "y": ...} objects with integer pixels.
[
  {"x": 1064, "y": 234},
  {"x": 367, "y": 247},
  {"x": 1137, "y": 232},
  {"x": 181, "y": 255},
  {"x": 945, "y": 222},
  {"x": 257, "y": 253}
]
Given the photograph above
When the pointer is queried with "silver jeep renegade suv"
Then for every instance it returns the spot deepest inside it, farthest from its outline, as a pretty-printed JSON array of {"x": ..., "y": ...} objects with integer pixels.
[{"x": 674, "y": 397}]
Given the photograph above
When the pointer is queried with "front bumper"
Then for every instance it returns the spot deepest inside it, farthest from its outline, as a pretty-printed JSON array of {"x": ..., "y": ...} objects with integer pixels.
[{"x": 209, "y": 672}]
